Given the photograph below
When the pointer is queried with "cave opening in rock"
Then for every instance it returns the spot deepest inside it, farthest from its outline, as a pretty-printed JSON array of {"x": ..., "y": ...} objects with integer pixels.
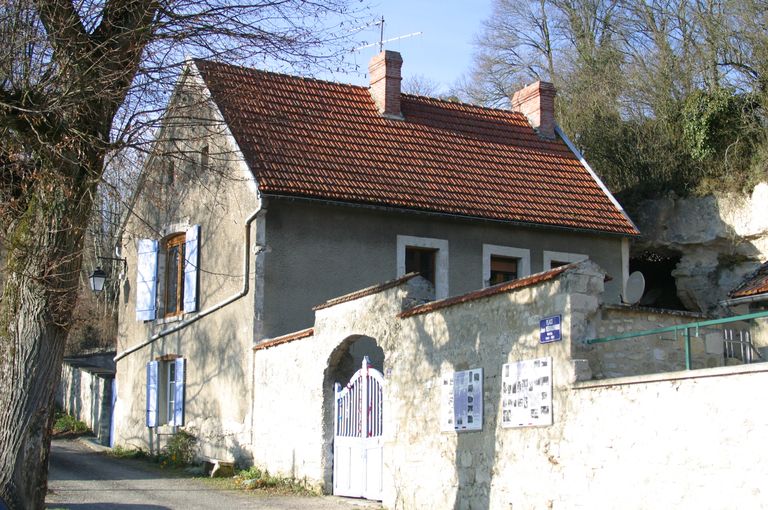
[{"x": 660, "y": 286}]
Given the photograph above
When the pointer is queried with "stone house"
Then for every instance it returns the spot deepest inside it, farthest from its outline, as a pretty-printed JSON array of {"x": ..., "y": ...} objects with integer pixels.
[{"x": 269, "y": 194}]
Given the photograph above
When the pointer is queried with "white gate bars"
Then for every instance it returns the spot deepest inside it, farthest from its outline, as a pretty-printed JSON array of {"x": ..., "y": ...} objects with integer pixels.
[{"x": 358, "y": 426}]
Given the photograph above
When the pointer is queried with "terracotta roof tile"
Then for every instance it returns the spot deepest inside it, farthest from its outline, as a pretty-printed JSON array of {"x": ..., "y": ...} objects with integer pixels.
[
  {"x": 755, "y": 283},
  {"x": 489, "y": 291},
  {"x": 310, "y": 138},
  {"x": 284, "y": 339}
]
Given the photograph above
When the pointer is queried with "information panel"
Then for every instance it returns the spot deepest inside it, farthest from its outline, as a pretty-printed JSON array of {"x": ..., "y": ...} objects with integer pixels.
[
  {"x": 526, "y": 393},
  {"x": 462, "y": 401}
]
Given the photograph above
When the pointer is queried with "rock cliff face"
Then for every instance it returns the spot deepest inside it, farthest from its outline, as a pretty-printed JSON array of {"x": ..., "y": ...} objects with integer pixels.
[{"x": 718, "y": 239}]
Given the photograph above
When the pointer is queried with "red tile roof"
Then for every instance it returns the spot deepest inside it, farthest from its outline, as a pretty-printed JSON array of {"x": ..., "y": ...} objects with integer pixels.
[
  {"x": 310, "y": 138},
  {"x": 755, "y": 283},
  {"x": 487, "y": 292}
]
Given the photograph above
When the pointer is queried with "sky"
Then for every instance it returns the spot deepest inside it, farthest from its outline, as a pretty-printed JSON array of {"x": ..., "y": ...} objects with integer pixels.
[{"x": 443, "y": 51}]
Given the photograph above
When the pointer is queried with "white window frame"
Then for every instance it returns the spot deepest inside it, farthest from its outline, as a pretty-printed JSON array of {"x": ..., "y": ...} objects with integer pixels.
[
  {"x": 170, "y": 387},
  {"x": 166, "y": 381},
  {"x": 561, "y": 256},
  {"x": 523, "y": 255},
  {"x": 441, "y": 259}
]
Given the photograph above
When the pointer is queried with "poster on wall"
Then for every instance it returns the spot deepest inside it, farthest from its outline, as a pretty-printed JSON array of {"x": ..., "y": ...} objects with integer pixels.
[
  {"x": 461, "y": 401},
  {"x": 526, "y": 393}
]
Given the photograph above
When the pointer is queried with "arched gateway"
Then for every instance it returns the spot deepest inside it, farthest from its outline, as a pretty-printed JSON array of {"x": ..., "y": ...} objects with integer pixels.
[{"x": 358, "y": 442}]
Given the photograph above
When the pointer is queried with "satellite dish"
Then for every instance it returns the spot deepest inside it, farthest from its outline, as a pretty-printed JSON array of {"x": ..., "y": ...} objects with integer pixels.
[{"x": 635, "y": 288}]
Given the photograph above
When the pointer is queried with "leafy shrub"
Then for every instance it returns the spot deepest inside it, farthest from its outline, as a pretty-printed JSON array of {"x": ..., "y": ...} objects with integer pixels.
[
  {"x": 180, "y": 450},
  {"x": 66, "y": 424}
]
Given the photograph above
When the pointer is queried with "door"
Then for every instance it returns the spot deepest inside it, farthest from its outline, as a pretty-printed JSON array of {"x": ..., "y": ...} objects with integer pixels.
[{"x": 358, "y": 443}]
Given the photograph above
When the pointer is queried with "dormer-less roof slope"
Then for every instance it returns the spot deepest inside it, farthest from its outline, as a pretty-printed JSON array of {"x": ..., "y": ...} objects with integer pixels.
[
  {"x": 310, "y": 138},
  {"x": 754, "y": 284}
]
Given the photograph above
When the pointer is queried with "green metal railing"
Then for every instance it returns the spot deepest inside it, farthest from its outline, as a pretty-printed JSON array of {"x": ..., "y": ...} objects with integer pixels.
[{"x": 675, "y": 329}]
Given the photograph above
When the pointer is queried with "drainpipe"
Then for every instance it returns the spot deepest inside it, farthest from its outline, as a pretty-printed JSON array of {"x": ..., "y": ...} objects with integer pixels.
[
  {"x": 210, "y": 310},
  {"x": 744, "y": 300}
]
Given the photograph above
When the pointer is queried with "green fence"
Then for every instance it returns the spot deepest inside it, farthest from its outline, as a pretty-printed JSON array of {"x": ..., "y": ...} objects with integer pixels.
[{"x": 687, "y": 331}]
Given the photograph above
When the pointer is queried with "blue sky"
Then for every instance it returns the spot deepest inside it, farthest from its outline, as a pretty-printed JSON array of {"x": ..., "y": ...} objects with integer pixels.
[{"x": 442, "y": 53}]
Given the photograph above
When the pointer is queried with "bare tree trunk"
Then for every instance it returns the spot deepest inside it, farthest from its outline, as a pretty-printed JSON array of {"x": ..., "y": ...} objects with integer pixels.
[{"x": 38, "y": 298}]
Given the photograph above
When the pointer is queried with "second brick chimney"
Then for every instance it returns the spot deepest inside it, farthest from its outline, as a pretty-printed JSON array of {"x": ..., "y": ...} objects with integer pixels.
[
  {"x": 384, "y": 73},
  {"x": 537, "y": 103}
]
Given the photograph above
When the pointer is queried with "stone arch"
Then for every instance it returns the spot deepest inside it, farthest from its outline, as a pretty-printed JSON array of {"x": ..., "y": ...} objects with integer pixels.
[{"x": 342, "y": 363}]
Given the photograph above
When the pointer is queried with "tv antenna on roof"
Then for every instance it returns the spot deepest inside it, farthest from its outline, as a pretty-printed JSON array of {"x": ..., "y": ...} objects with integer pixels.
[{"x": 382, "y": 41}]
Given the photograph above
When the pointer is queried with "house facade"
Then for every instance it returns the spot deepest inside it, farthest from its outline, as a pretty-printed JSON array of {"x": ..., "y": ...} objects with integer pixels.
[{"x": 268, "y": 194}]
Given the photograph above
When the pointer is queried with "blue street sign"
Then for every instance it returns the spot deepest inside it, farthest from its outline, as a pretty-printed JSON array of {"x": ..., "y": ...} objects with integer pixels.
[{"x": 549, "y": 329}]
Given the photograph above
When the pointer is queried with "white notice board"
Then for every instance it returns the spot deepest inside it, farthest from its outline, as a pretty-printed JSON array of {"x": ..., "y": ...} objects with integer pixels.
[
  {"x": 526, "y": 393},
  {"x": 461, "y": 401}
]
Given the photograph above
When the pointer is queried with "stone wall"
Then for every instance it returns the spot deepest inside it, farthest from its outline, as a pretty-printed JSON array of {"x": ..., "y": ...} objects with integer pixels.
[
  {"x": 664, "y": 352},
  {"x": 88, "y": 397},
  {"x": 685, "y": 440},
  {"x": 633, "y": 442}
]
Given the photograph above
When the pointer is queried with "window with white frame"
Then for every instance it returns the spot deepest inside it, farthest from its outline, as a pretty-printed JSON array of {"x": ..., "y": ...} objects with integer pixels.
[
  {"x": 165, "y": 391},
  {"x": 504, "y": 263},
  {"x": 167, "y": 275},
  {"x": 426, "y": 256},
  {"x": 553, "y": 259}
]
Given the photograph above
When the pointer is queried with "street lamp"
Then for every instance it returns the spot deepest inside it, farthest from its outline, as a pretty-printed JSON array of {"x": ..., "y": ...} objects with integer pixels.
[{"x": 97, "y": 279}]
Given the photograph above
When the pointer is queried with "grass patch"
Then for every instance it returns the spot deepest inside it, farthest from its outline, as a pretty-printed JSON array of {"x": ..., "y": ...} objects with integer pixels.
[
  {"x": 129, "y": 453},
  {"x": 258, "y": 479}
]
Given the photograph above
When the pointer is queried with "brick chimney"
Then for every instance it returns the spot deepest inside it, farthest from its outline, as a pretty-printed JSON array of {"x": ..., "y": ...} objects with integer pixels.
[
  {"x": 537, "y": 103},
  {"x": 384, "y": 73}
]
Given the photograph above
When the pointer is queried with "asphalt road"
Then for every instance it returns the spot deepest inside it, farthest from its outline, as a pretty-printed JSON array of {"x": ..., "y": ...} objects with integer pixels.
[{"x": 80, "y": 478}]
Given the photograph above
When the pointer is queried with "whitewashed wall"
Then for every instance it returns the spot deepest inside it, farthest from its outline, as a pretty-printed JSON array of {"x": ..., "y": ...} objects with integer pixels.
[{"x": 677, "y": 440}]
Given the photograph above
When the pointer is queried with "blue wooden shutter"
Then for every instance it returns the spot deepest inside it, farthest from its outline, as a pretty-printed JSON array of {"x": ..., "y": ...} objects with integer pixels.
[
  {"x": 191, "y": 260},
  {"x": 178, "y": 400},
  {"x": 152, "y": 393},
  {"x": 146, "y": 280}
]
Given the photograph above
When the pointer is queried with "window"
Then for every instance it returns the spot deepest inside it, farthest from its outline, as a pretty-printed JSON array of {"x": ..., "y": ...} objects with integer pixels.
[
  {"x": 427, "y": 256},
  {"x": 174, "y": 275},
  {"x": 422, "y": 261},
  {"x": 165, "y": 391},
  {"x": 171, "y": 265},
  {"x": 504, "y": 263},
  {"x": 503, "y": 269},
  {"x": 553, "y": 259}
]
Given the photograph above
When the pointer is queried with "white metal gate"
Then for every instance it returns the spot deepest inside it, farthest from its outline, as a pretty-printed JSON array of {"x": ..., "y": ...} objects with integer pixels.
[{"x": 357, "y": 443}]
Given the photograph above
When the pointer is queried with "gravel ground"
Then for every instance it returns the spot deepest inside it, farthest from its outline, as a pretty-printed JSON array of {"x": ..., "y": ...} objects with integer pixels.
[{"x": 80, "y": 478}]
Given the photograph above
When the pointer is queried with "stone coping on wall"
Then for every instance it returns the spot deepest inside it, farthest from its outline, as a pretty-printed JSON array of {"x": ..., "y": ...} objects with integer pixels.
[
  {"x": 284, "y": 339},
  {"x": 661, "y": 311},
  {"x": 680, "y": 375},
  {"x": 373, "y": 289},
  {"x": 487, "y": 292}
]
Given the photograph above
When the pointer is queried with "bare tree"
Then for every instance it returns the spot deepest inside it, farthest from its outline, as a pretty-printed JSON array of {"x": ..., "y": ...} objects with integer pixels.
[
  {"x": 420, "y": 85},
  {"x": 659, "y": 94},
  {"x": 79, "y": 82}
]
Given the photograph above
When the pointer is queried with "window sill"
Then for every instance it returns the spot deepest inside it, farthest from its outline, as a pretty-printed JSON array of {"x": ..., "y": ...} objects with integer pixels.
[{"x": 170, "y": 320}]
